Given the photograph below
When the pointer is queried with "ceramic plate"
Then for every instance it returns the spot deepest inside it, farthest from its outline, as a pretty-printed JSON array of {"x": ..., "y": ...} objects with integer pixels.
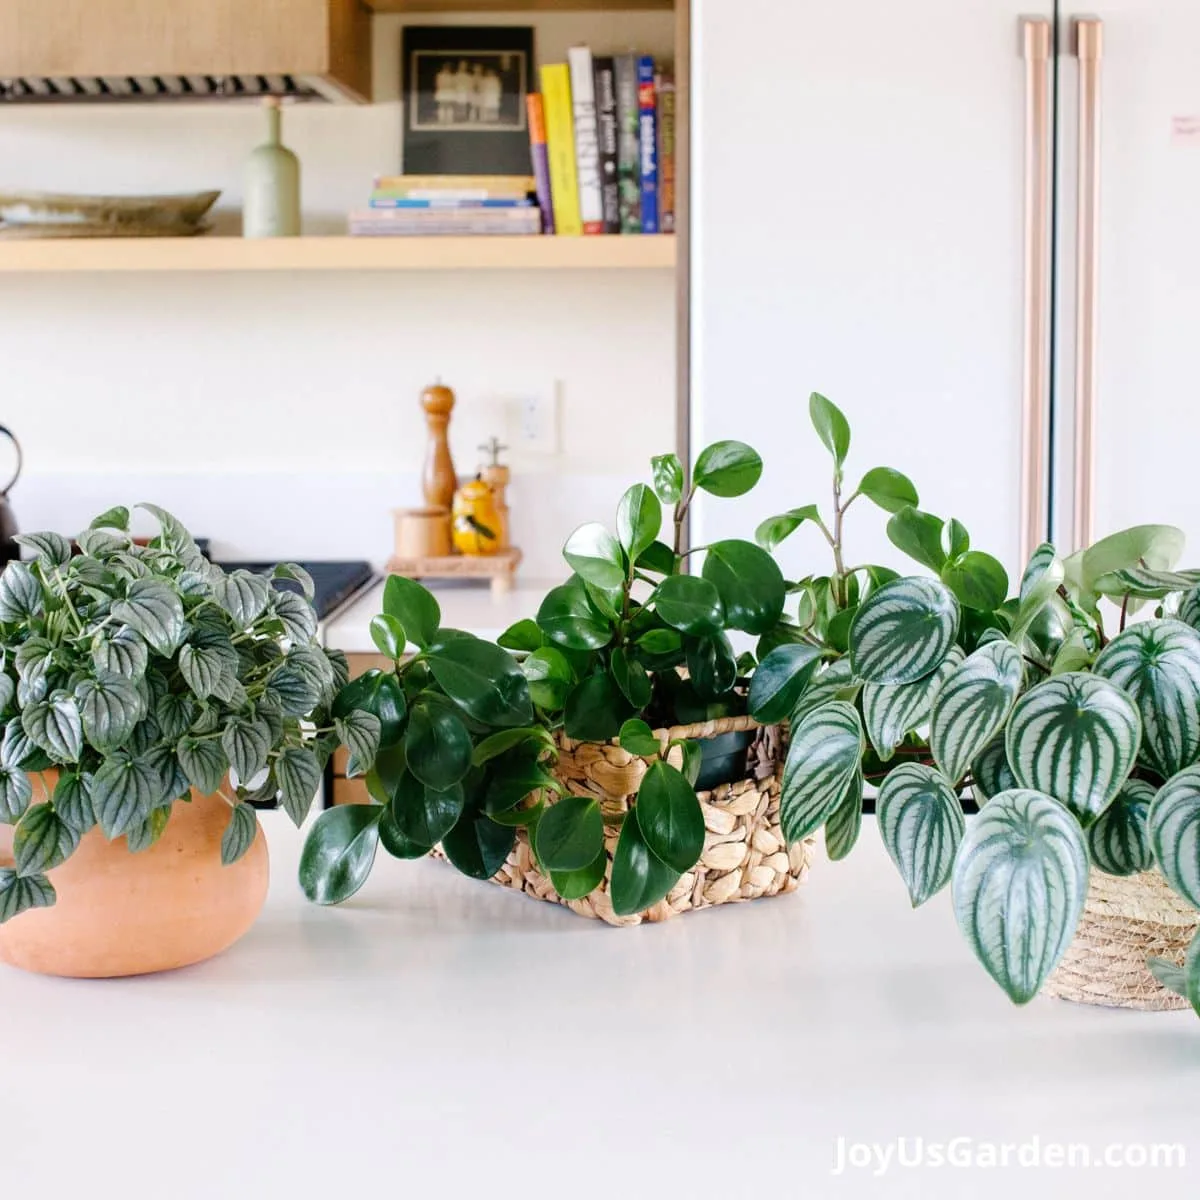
[{"x": 109, "y": 212}]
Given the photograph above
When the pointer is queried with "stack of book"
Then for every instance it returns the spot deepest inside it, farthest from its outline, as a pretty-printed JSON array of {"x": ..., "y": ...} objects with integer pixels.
[
  {"x": 603, "y": 140},
  {"x": 425, "y": 205}
]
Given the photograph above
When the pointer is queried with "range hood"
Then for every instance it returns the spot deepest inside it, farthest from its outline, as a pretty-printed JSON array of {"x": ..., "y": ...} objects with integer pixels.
[{"x": 88, "y": 51}]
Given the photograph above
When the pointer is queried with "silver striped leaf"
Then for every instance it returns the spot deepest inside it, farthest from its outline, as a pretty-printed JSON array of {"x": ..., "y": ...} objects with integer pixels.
[
  {"x": 972, "y": 705},
  {"x": 1039, "y": 586},
  {"x": 1175, "y": 833},
  {"x": 891, "y": 711},
  {"x": 1144, "y": 584},
  {"x": 836, "y": 682},
  {"x": 990, "y": 772},
  {"x": 921, "y": 823},
  {"x": 844, "y": 826},
  {"x": 1182, "y": 980},
  {"x": 1074, "y": 737},
  {"x": 1019, "y": 884},
  {"x": 1119, "y": 840},
  {"x": 1157, "y": 664},
  {"x": 825, "y": 754},
  {"x": 1189, "y": 608},
  {"x": 903, "y": 631}
]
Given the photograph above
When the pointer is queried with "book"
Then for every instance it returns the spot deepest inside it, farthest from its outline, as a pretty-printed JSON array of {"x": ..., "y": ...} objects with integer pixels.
[
  {"x": 648, "y": 143},
  {"x": 429, "y": 222},
  {"x": 629, "y": 170},
  {"x": 666, "y": 150},
  {"x": 478, "y": 186},
  {"x": 606, "y": 128},
  {"x": 541, "y": 158},
  {"x": 451, "y": 202},
  {"x": 587, "y": 140},
  {"x": 560, "y": 144}
]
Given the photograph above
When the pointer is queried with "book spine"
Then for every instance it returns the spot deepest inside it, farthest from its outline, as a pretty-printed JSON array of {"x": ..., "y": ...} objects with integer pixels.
[
  {"x": 560, "y": 142},
  {"x": 541, "y": 158},
  {"x": 587, "y": 139},
  {"x": 648, "y": 141},
  {"x": 629, "y": 171},
  {"x": 405, "y": 185},
  {"x": 606, "y": 126},
  {"x": 666, "y": 153}
]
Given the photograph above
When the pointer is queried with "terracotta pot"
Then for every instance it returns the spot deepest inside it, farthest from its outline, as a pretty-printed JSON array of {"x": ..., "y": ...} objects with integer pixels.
[{"x": 130, "y": 914}]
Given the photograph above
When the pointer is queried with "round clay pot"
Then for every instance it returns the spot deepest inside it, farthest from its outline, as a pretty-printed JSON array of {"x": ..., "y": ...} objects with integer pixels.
[{"x": 130, "y": 914}]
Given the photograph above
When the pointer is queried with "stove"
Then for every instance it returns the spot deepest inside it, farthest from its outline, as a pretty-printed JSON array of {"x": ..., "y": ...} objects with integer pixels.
[{"x": 334, "y": 583}]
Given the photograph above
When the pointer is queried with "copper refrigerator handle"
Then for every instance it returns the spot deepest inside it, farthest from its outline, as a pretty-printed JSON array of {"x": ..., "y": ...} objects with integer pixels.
[
  {"x": 1036, "y": 44},
  {"x": 1088, "y": 36}
]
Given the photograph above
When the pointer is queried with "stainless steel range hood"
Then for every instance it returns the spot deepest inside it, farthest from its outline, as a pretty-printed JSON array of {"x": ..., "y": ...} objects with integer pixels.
[{"x": 148, "y": 51}]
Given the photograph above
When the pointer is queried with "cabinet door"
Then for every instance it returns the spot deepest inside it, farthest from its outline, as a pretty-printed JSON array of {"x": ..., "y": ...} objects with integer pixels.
[{"x": 857, "y": 230}]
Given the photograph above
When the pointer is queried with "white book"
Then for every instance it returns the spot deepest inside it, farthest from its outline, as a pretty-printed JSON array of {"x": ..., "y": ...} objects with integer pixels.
[{"x": 587, "y": 139}]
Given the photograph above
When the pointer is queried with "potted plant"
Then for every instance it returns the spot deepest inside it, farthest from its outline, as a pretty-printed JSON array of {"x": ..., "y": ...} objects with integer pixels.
[
  {"x": 1081, "y": 747},
  {"x": 147, "y": 701}
]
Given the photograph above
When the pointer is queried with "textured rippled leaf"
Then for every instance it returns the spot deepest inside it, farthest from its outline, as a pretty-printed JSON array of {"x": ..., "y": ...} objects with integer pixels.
[
  {"x": 55, "y": 727},
  {"x": 110, "y": 706},
  {"x": 891, "y": 711},
  {"x": 1075, "y": 738},
  {"x": 780, "y": 680},
  {"x": 203, "y": 762},
  {"x": 903, "y": 632},
  {"x": 990, "y": 772},
  {"x": 42, "y": 840},
  {"x": 246, "y": 744},
  {"x": 921, "y": 823},
  {"x": 174, "y": 537},
  {"x": 1157, "y": 664},
  {"x": 239, "y": 834},
  {"x": 243, "y": 595},
  {"x": 339, "y": 851},
  {"x": 1174, "y": 822},
  {"x": 52, "y": 549},
  {"x": 124, "y": 790},
  {"x": 17, "y": 750},
  {"x": 845, "y": 822},
  {"x": 972, "y": 706},
  {"x": 298, "y": 775},
  {"x": 16, "y": 791},
  {"x": 142, "y": 837},
  {"x": 296, "y": 616},
  {"x": 19, "y": 893},
  {"x": 359, "y": 731},
  {"x": 73, "y": 801},
  {"x": 154, "y": 610},
  {"x": 205, "y": 667},
  {"x": 1019, "y": 885},
  {"x": 825, "y": 752},
  {"x": 1119, "y": 839},
  {"x": 124, "y": 654},
  {"x": 20, "y": 593},
  {"x": 836, "y": 682}
]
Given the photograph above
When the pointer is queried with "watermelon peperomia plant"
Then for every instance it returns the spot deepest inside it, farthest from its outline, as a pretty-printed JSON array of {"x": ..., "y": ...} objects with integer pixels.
[{"x": 1083, "y": 750}]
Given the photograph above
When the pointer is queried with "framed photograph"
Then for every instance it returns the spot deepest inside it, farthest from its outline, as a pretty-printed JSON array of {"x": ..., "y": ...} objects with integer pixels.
[{"x": 464, "y": 99}]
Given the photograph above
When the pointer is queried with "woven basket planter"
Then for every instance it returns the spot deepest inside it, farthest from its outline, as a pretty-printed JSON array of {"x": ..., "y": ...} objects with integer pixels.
[
  {"x": 1125, "y": 921},
  {"x": 745, "y": 855}
]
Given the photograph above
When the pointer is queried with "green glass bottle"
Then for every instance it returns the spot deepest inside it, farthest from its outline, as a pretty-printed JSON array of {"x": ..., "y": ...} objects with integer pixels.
[{"x": 271, "y": 207}]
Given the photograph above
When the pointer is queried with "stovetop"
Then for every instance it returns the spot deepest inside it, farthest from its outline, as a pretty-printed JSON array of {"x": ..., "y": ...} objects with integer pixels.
[{"x": 333, "y": 582}]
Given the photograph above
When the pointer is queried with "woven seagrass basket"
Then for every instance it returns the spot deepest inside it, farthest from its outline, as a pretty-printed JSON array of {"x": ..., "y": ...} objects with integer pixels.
[
  {"x": 745, "y": 855},
  {"x": 1125, "y": 921}
]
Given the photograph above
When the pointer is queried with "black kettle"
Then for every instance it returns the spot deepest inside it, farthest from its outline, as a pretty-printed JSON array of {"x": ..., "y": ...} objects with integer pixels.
[{"x": 9, "y": 550}]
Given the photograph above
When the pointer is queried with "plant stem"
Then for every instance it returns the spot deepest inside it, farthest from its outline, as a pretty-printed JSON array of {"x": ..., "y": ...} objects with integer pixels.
[
  {"x": 839, "y": 566},
  {"x": 1124, "y": 613},
  {"x": 680, "y": 515}
]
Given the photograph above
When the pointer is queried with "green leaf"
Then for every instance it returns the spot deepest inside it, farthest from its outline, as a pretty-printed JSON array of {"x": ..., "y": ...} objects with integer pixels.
[
  {"x": 20, "y": 594},
  {"x": 1075, "y": 738},
  {"x": 669, "y": 817},
  {"x": 388, "y": 635},
  {"x": 639, "y": 879},
  {"x": 298, "y": 775},
  {"x": 1154, "y": 547},
  {"x": 522, "y": 637},
  {"x": 414, "y": 607},
  {"x": 889, "y": 489},
  {"x": 919, "y": 535},
  {"x": 638, "y": 739},
  {"x": 175, "y": 713},
  {"x": 423, "y": 815},
  {"x": 478, "y": 846},
  {"x": 73, "y": 801},
  {"x": 568, "y": 618},
  {"x": 437, "y": 746},
  {"x": 1143, "y": 584},
  {"x": 711, "y": 665},
  {"x": 831, "y": 426},
  {"x": 204, "y": 667},
  {"x": 727, "y": 469},
  {"x": 958, "y": 539},
  {"x": 124, "y": 654},
  {"x": 668, "y": 477},
  {"x": 891, "y": 711},
  {"x": 112, "y": 518},
  {"x": 110, "y": 707},
  {"x": 570, "y": 834},
  {"x": 749, "y": 583},
  {"x": 485, "y": 681},
  {"x": 972, "y": 706},
  {"x": 596, "y": 556},
  {"x": 1157, "y": 664},
  {"x": 380, "y": 694},
  {"x": 630, "y": 676},
  {"x": 1183, "y": 981},
  {"x": 921, "y": 823},
  {"x": 978, "y": 580},
  {"x": 639, "y": 518},
  {"x": 574, "y": 885},
  {"x": 246, "y": 744},
  {"x": 506, "y": 739},
  {"x": 824, "y": 755},
  {"x": 16, "y": 790},
  {"x": 845, "y": 822},
  {"x": 780, "y": 680},
  {"x": 690, "y": 604},
  {"x": 142, "y": 837},
  {"x": 1174, "y": 821},
  {"x": 513, "y": 781},
  {"x": 1019, "y": 885},
  {"x": 203, "y": 762},
  {"x": 775, "y": 530},
  {"x": 239, "y": 834},
  {"x": 835, "y": 682},
  {"x": 154, "y": 610},
  {"x": 56, "y": 727},
  {"x": 16, "y": 750},
  {"x": 595, "y": 709},
  {"x": 243, "y": 595},
  {"x": 394, "y": 842},
  {"x": 1119, "y": 839},
  {"x": 1039, "y": 586},
  {"x": 299, "y": 575},
  {"x": 52, "y": 549},
  {"x": 124, "y": 790},
  {"x": 990, "y": 772},
  {"x": 100, "y": 544},
  {"x": 659, "y": 558},
  {"x": 19, "y": 893},
  {"x": 550, "y": 677},
  {"x": 42, "y": 840},
  {"x": 338, "y": 854},
  {"x": 903, "y": 632}
]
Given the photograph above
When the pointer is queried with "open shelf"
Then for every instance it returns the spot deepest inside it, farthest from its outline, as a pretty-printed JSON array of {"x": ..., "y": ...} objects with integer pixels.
[
  {"x": 629, "y": 253},
  {"x": 486, "y": 6}
]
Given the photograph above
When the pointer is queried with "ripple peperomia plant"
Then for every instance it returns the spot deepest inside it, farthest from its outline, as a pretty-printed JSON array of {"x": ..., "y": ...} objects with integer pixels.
[
  {"x": 1083, "y": 750},
  {"x": 131, "y": 674}
]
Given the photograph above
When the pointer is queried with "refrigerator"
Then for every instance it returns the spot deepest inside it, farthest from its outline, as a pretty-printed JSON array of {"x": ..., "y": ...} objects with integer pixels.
[{"x": 973, "y": 226}]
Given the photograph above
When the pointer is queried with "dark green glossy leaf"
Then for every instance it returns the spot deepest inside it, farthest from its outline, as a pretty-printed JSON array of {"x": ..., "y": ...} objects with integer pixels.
[
  {"x": 550, "y": 677},
  {"x": 414, "y": 607},
  {"x": 889, "y": 489},
  {"x": 727, "y": 469},
  {"x": 522, "y": 637},
  {"x": 659, "y": 558},
  {"x": 596, "y": 556},
  {"x": 831, "y": 426},
  {"x": 780, "y": 680},
  {"x": 712, "y": 665},
  {"x": 570, "y": 834},
  {"x": 660, "y": 641},
  {"x": 775, "y": 530},
  {"x": 919, "y": 535},
  {"x": 639, "y": 879},
  {"x": 437, "y": 746},
  {"x": 690, "y": 604},
  {"x": 388, "y": 635},
  {"x": 639, "y": 518},
  {"x": 750, "y": 585},
  {"x": 380, "y": 694},
  {"x": 630, "y": 676},
  {"x": 424, "y": 816},
  {"x": 338, "y": 854},
  {"x": 394, "y": 841},
  {"x": 478, "y": 846},
  {"x": 568, "y": 618},
  {"x": 638, "y": 738},
  {"x": 977, "y": 579},
  {"x": 669, "y": 817},
  {"x": 595, "y": 710},
  {"x": 574, "y": 885},
  {"x": 506, "y": 739},
  {"x": 668, "y": 477},
  {"x": 485, "y": 681}
]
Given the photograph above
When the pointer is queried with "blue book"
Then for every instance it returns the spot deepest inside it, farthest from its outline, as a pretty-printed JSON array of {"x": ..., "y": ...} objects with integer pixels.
[
  {"x": 403, "y": 202},
  {"x": 648, "y": 137}
]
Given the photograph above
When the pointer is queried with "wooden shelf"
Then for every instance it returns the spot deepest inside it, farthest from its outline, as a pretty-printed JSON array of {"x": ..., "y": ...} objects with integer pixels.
[
  {"x": 487, "y": 6},
  {"x": 341, "y": 254}
]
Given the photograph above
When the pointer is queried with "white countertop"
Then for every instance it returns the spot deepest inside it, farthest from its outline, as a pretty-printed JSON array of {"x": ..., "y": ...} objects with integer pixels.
[
  {"x": 439, "y": 1037},
  {"x": 474, "y": 609}
]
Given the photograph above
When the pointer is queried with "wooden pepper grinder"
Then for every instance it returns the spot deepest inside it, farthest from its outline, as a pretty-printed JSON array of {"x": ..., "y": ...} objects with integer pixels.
[
  {"x": 497, "y": 477},
  {"x": 440, "y": 480}
]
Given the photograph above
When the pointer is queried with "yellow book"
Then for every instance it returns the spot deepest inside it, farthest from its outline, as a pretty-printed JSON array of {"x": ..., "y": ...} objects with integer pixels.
[{"x": 560, "y": 147}]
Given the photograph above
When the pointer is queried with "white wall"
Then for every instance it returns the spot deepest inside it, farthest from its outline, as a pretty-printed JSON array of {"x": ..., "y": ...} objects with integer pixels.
[{"x": 278, "y": 414}]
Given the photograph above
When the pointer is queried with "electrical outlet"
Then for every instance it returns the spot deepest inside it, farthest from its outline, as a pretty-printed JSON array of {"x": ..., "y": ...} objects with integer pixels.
[{"x": 533, "y": 419}]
